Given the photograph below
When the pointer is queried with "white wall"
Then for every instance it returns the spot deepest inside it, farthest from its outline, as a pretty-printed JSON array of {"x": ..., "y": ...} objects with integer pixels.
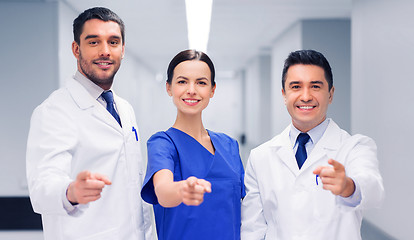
[
  {"x": 224, "y": 111},
  {"x": 29, "y": 73},
  {"x": 21, "y": 235},
  {"x": 265, "y": 94},
  {"x": 252, "y": 101},
  {"x": 382, "y": 84},
  {"x": 67, "y": 62},
  {"x": 257, "y": 98}
]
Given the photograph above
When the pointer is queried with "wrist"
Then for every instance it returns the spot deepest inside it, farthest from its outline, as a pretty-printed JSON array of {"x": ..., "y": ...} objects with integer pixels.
[
  {"x": 349, "y": 188},
  {"x": 69, "y": 196}
]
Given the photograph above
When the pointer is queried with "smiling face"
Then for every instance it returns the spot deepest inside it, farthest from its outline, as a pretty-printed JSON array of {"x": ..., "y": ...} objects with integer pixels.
[
  {"x": 99, "y": 52},
  {"x": 191, "y": 87},
  {"x": 307, "y": 95}
]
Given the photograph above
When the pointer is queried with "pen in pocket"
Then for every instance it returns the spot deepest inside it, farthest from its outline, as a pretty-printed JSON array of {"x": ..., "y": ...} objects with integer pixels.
[{"x": 135, "y": 131}]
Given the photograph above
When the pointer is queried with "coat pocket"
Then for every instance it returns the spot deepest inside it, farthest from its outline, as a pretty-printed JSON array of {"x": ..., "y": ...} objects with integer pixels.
[{"x": 134, "y": 163}]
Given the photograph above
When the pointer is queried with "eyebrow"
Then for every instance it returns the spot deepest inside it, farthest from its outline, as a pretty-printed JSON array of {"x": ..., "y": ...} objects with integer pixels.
[
  {"x": 317, "y": 82},
  {"x": 198, "y": 79},
  {"x": 182, "y": 77},
  {"x": 299, "y": 82},
  {"x": 90, "y": 36},
  {"x": 95, "y": 36},
  {"x": 294, "y": 82}
]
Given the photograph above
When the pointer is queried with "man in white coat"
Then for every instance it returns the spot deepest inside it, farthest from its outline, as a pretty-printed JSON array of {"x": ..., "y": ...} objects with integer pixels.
[
  {"x": 84, "y": 165},
  {"x": 317, "y": 186}
]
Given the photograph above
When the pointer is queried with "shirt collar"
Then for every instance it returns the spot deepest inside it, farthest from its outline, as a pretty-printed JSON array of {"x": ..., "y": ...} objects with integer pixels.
[
  {"x": 91, "y": 87},
  {"x": 315, "y": 133}
]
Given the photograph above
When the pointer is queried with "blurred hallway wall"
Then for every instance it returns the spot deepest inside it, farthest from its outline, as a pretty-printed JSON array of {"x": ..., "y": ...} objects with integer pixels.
[
  {"x": 382, "y": 90},
  {"x": 29, "y": 73},
  {"x": 373, "y": 70}
]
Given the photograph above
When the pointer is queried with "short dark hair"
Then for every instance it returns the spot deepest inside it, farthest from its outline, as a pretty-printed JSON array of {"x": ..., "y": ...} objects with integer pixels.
[
  {"x": 308, "y": 57},
  {"x": 188, "y": 55},
  {"x": 100, "y": 13}
]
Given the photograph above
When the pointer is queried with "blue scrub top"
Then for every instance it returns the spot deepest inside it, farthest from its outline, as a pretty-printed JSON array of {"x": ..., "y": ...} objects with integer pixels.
[{"x": 218, "y": 217}]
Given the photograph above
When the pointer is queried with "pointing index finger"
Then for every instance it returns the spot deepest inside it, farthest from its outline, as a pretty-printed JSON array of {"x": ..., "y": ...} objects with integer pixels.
[
  {"x": 191, "y": 181},
  {"x": 317, "y": 170},
  {"x": 102, "y": 178},
  {"x": 83, "y": 175},
  {"x": 336, "y": 165},
  {"x": 206, "y": 184}
]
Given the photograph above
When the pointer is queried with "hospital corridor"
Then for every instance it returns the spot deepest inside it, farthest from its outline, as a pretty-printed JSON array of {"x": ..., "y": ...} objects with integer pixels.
[{"x": 369, "y": 46}]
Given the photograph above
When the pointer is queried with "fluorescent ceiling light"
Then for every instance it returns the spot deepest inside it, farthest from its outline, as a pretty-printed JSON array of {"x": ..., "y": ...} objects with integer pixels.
[{"x": 198, "y": 23}]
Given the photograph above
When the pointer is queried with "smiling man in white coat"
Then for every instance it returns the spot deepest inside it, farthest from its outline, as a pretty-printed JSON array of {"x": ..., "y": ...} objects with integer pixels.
[
  {"x": 313, "y": 180},
  {"x": 84, "y": 165}
]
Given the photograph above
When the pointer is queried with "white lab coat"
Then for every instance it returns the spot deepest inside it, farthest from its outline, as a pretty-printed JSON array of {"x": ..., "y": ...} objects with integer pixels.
[
  {"x": 283, "y": 202},
  {"x": 71, "y": 132}
]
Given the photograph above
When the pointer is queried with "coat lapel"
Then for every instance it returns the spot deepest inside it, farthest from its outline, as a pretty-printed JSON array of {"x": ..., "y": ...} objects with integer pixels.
[
  {"x": 124, "y": 115},
  {"x": 283, "y": 151},
  {"x": 85, "y": 101},
  {"x": 326, "y": 148}
]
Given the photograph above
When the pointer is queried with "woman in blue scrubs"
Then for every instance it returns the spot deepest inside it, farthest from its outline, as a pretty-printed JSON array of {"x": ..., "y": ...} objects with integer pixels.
[{"x": 194, "y": 176}]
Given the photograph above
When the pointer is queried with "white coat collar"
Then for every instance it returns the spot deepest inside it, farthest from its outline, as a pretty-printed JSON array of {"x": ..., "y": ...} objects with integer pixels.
[
  {"x": 84, "y": 100},
  {"x": 329, "y": 143},
  {"x": 80, "y": 95}
]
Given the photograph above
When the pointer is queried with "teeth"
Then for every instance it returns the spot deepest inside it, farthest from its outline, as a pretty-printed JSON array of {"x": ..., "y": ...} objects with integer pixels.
[
  {"x": 191, "y": 101},
  {"x": 306, "y": 107},
  {"x": 105, "y": 64}
]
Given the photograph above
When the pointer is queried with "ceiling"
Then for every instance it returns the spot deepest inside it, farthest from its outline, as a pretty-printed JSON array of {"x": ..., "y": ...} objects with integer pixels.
[{"x": 156, "y": 30}]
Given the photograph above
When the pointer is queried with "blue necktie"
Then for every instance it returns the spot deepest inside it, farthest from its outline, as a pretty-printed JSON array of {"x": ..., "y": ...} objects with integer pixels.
[
  {"x": 109, "y": 98},
  {"x": 301, "y": 155}
]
